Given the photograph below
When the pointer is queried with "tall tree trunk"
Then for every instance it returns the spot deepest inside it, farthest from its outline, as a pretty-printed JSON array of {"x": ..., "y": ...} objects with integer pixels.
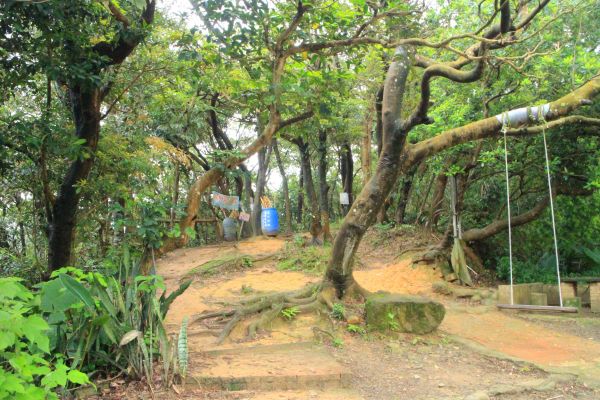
[
  {"x": 364, "y": 210},
  {"x": 365, "y": 150},
  {"x": 315, "y": 217},
  {"x": 300, "y": 195},
  {"x": 347, "y": 173},
  {"x": 323, "y": 187},
  {"x": 379, "y": 120},
  {"x": 285, "y": 188},
  {"x": 86, "y": 115},
  {"x": 435, "y": 208},
  {"x": 404, "y": 196}
]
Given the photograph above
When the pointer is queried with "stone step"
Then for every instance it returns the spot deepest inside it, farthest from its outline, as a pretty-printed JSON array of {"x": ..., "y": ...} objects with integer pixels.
[
  {"x": 298, "y": 366},
  {"x": 331, "y": 394}
]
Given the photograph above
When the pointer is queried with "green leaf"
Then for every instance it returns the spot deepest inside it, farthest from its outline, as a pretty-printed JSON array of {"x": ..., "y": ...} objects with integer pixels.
[
  {"x": 78, "y": 377},
  {"x": 58, "y": 377},
  {"x": 78, "y": 290}
]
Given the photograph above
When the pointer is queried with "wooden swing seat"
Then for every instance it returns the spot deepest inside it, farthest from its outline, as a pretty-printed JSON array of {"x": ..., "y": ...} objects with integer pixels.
[{"x": 527, "y": 307}]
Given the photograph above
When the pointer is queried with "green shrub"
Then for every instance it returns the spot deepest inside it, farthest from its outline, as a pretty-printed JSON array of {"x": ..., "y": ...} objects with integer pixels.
[
  {"x": 338, "y": 311},
  {"x": 526, "y": 271},
  {"x": 110, "y": 323},
  {"x": 28, "y": 370},
  {"x": 290, "y": 313}
]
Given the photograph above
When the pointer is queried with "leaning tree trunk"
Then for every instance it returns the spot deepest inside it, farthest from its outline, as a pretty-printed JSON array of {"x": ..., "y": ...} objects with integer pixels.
[
  {"x": 364, "y": 210},
  {"x": 86, "y": 115},
  {"x": 315, "y": 217},
  {"x": 285, "y": 188},
  {"x": 323, "y": 187}
]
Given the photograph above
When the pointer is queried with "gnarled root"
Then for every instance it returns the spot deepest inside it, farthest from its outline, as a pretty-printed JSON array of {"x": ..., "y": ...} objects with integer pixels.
[
  {"x": 312, "y": 298},
  {"x": 268, "y": 307}
]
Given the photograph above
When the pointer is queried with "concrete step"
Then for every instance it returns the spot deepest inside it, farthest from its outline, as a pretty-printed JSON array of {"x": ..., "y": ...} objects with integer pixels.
[
  {"x": 331, "y": 394},
  {"x": 297, "y": 366}
]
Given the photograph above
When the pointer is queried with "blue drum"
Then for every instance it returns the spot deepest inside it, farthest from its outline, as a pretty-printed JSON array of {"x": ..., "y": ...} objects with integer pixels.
[{"x": 269, "y": 221}]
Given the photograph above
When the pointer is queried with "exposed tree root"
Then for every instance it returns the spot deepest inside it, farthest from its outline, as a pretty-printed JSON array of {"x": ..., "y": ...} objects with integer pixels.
[{"x": 265, "y": 308}]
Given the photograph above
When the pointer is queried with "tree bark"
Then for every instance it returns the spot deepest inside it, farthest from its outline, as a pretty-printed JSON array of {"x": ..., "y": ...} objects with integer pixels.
[
  {"x": 404, "y": 196},
  {"x": 435, "y": 207},
  {"x": 347, "y": 173},
  {"x": 285, "y": 189},
  {"x": 379, "y": 120},
  {"x": 300, "y": 196},
  {"x": 315, "y": 216},
  {"x": 365, "y": 151},
  {"x": 364, "y": 210},
  {"x": 323, "y": 186},
  {"x": 86, "y": 115}
]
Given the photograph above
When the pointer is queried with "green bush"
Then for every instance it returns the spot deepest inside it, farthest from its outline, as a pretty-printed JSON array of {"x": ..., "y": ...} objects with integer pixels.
[
  {"x": 28, "y": 370},
  {"x": 543, "y": 271},
  {"x": 109, "y": 323}
]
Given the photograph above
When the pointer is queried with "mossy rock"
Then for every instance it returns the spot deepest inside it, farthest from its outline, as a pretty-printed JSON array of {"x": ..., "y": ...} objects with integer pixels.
[{"x": 401, "y": 313}]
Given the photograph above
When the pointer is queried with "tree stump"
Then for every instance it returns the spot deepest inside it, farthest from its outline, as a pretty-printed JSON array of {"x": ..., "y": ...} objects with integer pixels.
[{"x": 401, "y": 313}]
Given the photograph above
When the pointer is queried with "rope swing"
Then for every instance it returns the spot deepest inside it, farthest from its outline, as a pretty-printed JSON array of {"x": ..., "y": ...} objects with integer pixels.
[{"x": 505, "y": 126}]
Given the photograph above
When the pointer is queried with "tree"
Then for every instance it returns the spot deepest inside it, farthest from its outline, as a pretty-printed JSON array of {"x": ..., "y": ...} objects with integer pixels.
[{"x": 81, "y": 67}]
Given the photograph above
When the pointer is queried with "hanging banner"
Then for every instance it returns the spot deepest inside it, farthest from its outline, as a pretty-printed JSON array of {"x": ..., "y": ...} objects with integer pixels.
[
  {"x": 227, "y": 202},
  {"x": 344, "y": 199},
  {"x": 244, "y": 217}
]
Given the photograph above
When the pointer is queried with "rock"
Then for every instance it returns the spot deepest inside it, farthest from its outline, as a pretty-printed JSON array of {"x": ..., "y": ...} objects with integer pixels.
[
  {"x": 476, "y": 298},
  {"x": 479, "y": 395},
  {"x": 401, "y": 313},
  {"x": 441, "y": 287}
]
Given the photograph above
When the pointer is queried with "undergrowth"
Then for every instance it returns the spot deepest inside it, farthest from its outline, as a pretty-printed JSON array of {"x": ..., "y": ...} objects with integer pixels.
[
  {"x": 229, "y": 262},
  {"x": 296, "y": 256}
]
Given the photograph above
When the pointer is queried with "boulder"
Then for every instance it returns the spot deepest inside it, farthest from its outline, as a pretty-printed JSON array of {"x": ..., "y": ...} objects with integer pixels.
[{"x": 402, "y": 313}]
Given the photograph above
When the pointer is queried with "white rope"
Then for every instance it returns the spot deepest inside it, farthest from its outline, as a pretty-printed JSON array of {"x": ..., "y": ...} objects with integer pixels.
[
  {"x": 510, "y": 263},
  {"x": 560, "y": 299}
]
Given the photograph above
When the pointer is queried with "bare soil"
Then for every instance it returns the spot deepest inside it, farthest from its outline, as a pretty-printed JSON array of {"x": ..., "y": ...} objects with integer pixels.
[{"x": 477, "y": 348}]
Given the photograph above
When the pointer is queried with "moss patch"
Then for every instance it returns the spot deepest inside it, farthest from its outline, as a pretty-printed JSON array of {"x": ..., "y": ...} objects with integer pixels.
[
  {"x": 394, "y": 312},
  {"x": 299, "y": 257}
]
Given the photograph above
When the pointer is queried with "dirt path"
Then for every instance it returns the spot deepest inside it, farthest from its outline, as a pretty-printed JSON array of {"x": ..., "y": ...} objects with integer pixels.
[{"x": 464, "y": 358}]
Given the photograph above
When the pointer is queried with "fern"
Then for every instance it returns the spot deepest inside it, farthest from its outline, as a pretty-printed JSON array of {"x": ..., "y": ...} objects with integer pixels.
[{"x": 182, "y": 347}]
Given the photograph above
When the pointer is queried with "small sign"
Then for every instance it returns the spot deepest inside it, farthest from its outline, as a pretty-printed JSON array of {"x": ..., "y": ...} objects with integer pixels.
[
  {"x": 244, "y": 217},
  {"x": 344, "y": 199},
  {"x": 227, "y": 202}
]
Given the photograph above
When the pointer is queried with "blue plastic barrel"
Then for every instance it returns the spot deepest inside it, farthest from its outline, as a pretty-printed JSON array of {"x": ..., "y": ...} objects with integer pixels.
[
  {"x": 230, "y": 229},
  {"x": 269, "y": 221}
]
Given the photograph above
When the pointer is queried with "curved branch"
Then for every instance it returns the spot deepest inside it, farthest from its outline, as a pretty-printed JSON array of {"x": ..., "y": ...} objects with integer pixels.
[
  {"x": 498, "y": 226},
  {"x": 492, "y": 126}
]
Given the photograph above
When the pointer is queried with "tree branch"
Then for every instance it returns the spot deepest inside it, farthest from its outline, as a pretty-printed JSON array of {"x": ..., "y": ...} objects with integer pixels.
[{"x": 492, "y": 126}]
